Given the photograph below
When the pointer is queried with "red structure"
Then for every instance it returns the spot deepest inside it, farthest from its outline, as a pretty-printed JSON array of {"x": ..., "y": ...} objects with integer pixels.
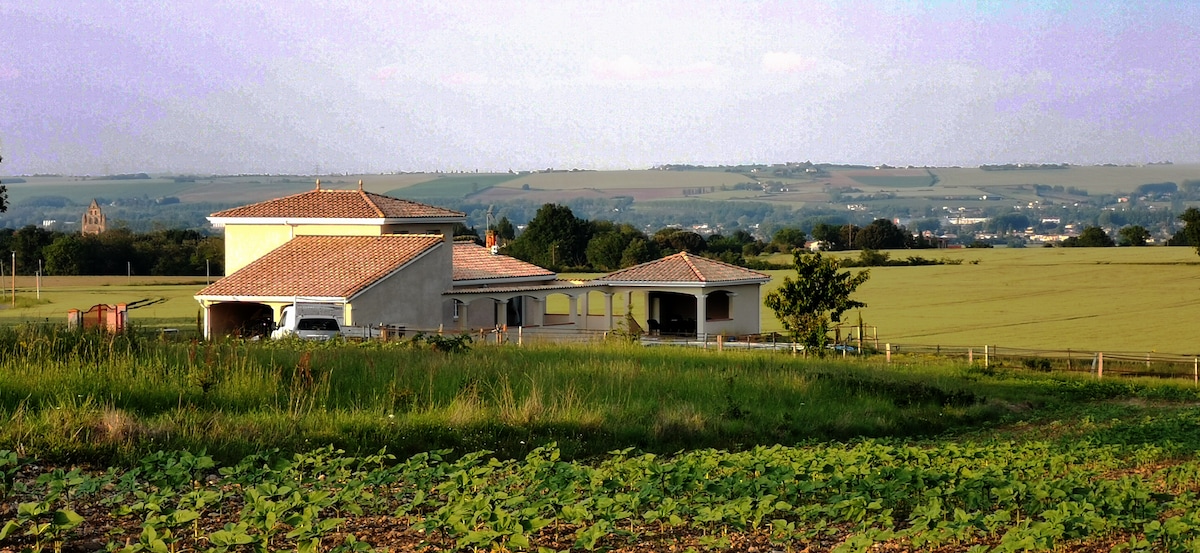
[{"x": 111, "y": 318}]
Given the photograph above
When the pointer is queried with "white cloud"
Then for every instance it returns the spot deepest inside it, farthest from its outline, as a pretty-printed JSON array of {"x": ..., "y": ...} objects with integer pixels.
[
  {"x": 786, "y": 62},
  {"x": 624, "y": 68},
  {"x": 629, "y": 69},
  {"x": 465, "y": 78}
]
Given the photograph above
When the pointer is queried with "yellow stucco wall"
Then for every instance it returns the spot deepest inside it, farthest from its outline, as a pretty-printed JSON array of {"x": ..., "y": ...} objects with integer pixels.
[
  {"x": 338, "y": 230},
  {"x": 245, "y": 243}
]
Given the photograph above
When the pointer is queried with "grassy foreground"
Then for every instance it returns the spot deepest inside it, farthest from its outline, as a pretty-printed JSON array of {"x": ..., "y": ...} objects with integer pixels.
[
  {"x": 239, "y": 447},
  {"x": 88, "y": 396}
]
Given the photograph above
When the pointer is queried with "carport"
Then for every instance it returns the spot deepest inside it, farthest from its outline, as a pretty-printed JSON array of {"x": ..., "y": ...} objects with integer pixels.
[{"x": 239, "y": 318}]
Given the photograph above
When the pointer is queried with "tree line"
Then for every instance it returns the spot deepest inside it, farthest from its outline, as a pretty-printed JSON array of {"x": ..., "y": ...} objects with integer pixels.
[
  {"x": 165, "y": 252},
  {"x": 557, "y": 239}
]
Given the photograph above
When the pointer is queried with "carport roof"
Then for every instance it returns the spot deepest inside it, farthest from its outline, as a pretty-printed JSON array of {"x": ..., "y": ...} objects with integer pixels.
[
  {"x": 473, "y": 262},
  {"x": 323, "y": 266},
  {"x": 684, "y": 268}
]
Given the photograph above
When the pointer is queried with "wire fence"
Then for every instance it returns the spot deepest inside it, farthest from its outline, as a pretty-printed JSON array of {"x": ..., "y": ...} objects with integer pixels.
[{"x": 1101, "y": 364}]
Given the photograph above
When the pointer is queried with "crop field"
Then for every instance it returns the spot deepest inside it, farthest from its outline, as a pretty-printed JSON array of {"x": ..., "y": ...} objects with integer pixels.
[
  {"x": 1098, "y": 299},
  {"x": 1096, "y": 180},
  {"x": 607, "y": 180},
  {"x": 457, "y": 186},
  {"x": 922, "y": 180},
  {"x": 225, "y": 190},
  {"x": 132, "y": 444},
  {"x": 643, "y": 185}
]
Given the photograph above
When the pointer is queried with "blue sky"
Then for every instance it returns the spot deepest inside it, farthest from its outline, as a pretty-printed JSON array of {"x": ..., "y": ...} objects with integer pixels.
[{"x": 286, "y": 87}]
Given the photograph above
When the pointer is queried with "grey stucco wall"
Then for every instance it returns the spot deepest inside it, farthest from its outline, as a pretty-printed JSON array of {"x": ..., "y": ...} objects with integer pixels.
[
  {"x": 746, "y": 310},
  {"x": 411, "y": 297}
]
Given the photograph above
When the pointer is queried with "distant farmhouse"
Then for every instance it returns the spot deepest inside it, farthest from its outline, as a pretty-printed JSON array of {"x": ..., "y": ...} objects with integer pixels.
[
  {"x": 393, "y": 262},
  {"x": 93, "y": 220}
]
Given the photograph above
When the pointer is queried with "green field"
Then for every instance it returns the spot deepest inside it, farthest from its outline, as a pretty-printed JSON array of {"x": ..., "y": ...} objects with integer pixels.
[
  {"x": 458, "y": 186},
  {"x": 895, "y": 181},
  {"x": 1133, "y": 300},
  {"x": 611, "y": 180}
]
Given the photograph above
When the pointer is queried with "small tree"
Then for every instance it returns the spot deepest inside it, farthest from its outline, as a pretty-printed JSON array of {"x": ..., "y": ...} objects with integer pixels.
[
  {"x": 1134, "y": 235},
  {"x": 818, "y": 295},
  {"x": 1189, "y": 235},
  {"x": 1091, "y": 237},
  {"x": 787, "y": 239}
]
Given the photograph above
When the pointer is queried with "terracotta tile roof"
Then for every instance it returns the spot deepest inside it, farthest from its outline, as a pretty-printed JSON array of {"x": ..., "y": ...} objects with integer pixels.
[
  {"x": 683, "y": 267},
  {"x": 339, "y": 204},
  {"x": 474, "y": 262},
  {"x": 323, "y": 266}
]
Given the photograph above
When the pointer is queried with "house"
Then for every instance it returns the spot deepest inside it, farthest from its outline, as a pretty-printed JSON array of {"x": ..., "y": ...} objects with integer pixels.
[{"x": 390, "y": 261}]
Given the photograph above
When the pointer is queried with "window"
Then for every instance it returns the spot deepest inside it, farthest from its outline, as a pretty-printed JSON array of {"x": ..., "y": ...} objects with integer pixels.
[
  {"x": 716, "y": 306},
  {"x": 317, "y": 324}
]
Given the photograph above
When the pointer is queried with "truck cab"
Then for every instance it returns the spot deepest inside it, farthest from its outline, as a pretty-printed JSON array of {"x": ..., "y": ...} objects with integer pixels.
[{"x": 310, "y": 321}]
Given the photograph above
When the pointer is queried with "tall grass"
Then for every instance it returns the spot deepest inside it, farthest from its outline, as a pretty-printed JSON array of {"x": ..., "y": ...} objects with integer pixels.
[{"x": 102, "y": 397}]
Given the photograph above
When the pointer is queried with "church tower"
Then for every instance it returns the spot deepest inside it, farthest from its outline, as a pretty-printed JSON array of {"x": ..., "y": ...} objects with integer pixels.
[{"x": 93, "y": 220}]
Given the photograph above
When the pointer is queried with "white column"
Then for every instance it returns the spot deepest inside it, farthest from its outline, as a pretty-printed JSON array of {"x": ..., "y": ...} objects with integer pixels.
[
  {"x": 583, "y": 310},
  {"x": 207, "y": 322},
  {"x": 573, "y": 310},
  {"x": 608, "y": 310},
  {"x": 537, "y": 316},
  {"x": 462, "y": 316},
  {"x": 701, "y": 313},
  {"x": 502, "y": 313}
]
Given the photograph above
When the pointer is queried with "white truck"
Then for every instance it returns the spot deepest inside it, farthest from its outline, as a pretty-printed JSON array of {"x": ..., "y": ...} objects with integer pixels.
[{"x": 317, "y": 321}]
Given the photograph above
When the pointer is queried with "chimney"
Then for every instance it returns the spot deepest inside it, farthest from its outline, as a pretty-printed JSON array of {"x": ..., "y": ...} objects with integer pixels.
[
  {"x": 490, "y": 240},
  {"x": 318, "y": 184}
]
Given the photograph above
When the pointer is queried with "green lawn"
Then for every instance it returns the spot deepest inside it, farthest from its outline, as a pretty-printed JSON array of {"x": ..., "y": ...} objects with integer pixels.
[{"x": 166, "y": 301}]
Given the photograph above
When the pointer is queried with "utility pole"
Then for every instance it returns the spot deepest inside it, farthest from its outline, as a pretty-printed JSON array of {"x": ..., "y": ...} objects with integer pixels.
[{"x": 14, "y": 279}]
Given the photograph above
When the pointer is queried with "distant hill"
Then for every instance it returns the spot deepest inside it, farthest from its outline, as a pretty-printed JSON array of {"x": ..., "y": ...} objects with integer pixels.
[{"x": 766, "y": 191}]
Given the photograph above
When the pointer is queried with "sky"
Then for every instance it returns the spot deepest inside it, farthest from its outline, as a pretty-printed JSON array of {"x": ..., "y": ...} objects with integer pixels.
[{"x": 304, "y": 86}]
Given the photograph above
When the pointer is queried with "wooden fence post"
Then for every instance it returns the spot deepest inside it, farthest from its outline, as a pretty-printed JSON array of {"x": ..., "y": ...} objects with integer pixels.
[
  {"x": 1196, "y": 370},
  {"x": 721, "y": 342},
  {"x": 1069, "y": 359},
  {"x": 986, "y": 356},
  {"x": 1100, "y": 365},
  {"x": 970, "y": 356},
  {"x": 889, "y": 352},
  {"x": 520, "y": 335}
]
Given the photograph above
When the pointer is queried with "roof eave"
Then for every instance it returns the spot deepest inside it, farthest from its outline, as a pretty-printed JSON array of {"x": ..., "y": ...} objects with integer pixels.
[
  {"x": 366, "y": 221},
  {"x": 503, "y": 280},
  {"x": 699, "y": 284},
  {"x": 264, "y": 299}
]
